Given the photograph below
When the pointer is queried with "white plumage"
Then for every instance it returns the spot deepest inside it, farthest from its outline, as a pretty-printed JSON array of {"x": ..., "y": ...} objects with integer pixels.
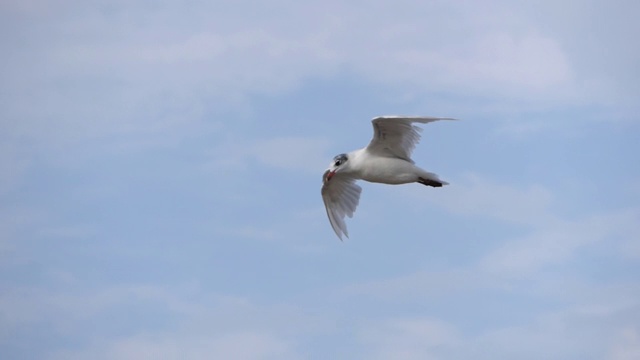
[{"x": 387, "y": 160}]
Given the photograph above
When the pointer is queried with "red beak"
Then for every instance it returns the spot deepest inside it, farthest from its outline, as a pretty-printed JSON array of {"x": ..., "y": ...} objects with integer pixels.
[{"x": 328, "y": 175}]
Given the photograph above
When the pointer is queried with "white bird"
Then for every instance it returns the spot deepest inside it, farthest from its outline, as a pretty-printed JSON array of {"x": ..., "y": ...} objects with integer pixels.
[{"x": 386, "y": 160}]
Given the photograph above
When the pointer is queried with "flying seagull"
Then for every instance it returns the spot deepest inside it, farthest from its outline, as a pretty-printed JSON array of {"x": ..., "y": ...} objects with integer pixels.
[{"x": 386, "y": 160}]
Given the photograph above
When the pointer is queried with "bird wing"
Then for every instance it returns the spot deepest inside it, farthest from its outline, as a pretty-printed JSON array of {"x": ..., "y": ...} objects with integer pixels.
[
  {"x": 341, "y": 196},
  {"x": 396, "y": 136}
]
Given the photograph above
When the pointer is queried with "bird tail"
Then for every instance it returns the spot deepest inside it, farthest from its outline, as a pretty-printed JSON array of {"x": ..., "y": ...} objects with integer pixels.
[{"x": 431, "y": 179}]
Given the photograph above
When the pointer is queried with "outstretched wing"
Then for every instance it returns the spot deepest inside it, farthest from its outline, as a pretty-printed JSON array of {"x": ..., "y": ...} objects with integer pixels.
[
  {"x": 396, "y": 136},
  {"x": 341, "y": 196}
]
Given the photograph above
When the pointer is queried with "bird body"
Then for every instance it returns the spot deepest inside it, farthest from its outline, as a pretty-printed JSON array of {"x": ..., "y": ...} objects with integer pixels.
[
  {"x": 385, "y": 170},
  {"x": 386, "y": 160}
]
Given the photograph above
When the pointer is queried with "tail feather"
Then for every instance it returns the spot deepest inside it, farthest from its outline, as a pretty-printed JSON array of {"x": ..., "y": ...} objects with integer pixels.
[
  {"x": 430, "y": 179},
  {"x": 431, "y": 182}
]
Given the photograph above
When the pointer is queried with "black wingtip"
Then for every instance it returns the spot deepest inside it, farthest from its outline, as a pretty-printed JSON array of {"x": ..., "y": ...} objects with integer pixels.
[{"x": 430, "y": 182}]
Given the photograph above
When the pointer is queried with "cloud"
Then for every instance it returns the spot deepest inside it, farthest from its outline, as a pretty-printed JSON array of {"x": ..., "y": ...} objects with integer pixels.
[
  {"x": 479, "y": 196},
  {"x": 569, "y": 333},
  {"x": 242, "y": 346},
  {"x": 407, "y": 338},
  {"x": 606, "y": 75},
  {"x": 550, "y": 237},
  {"x": 553, "y": 335},
  {"x": 121, "y": 78},
  {"x": 72, "y": 77},
  {"x": 137, "y": 72},
  {"x": 576, "y": 321},
  {"x": 182, "y": 321},
  {"x": 542, "y": 302},
  {"x": 304, "y": 155},
  {"x": 420, "y": 285},
  {"x": 542, "y": 238},
  {"x": 500, "y": 64},
  {"x": 557, "y": 242},
  {"x": 292, "y": 153},
  {"x": 627, "y": 346}
]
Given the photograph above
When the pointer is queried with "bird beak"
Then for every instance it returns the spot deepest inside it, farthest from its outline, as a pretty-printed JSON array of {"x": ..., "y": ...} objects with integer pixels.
[{"x": 328, "y": 175}]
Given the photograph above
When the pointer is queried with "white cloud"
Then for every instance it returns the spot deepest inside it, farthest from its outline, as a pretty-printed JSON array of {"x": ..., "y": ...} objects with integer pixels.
[
  {"x": 560, "y": 311},
  {"x": 144, "y": 76},
  {"x": 292, "y": 153},
  {"x": 420, "y": 285},
  {"x": 175, "y": 58},
  {"x": 551, "y": 238},
  {"x": 569, "y": 333},
  {"x": 500, "y": 64},
  {"x": 599, "y": 319},
  {"x": 556, "y": 242},
  {"x": 241, "y": 346},
  {"x": 193, "y": 322},
  {"x": 140, "y": 76},
  {"x": 479, "y": 196},
  {"x": 298, "y": 154},
  {"x": 407, "y": 339},
  {"x": 627, "y": 346}
]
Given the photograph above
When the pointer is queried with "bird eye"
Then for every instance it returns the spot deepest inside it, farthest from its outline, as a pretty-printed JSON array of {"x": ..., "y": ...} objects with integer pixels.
[{"x": 339, "y": 160}]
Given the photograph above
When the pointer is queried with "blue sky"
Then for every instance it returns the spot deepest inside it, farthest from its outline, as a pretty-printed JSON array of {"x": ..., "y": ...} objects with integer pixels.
[{"x": 161, "y": 163}]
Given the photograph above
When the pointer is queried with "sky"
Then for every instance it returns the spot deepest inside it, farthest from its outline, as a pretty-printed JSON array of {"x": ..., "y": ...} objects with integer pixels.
[{"x": 161, "y": 165}]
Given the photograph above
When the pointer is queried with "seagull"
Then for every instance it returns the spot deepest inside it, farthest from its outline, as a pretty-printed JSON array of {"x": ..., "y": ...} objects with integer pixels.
[{"x": 386, "y": 160}]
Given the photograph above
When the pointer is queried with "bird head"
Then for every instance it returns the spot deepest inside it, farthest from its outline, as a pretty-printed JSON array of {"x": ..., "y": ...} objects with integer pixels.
[{"x": 339, "y": 163}]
